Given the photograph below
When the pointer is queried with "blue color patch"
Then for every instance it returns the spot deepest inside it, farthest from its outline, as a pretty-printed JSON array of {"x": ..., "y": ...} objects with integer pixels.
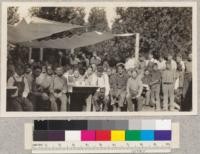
[{"x": 147, "y": 135}]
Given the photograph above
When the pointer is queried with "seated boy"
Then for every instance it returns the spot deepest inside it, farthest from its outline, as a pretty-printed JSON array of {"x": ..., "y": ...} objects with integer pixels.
[
  {"x": 120, "y": 88},
  {"x": 134, "y": 91},
  {"x": 58, "y": 90},
  {"x": 101, "y": 98},
  {"x": 19, "y": 101}
]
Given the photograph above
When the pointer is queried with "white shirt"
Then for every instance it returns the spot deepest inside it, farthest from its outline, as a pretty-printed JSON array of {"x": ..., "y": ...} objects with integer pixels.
[
  {"x": 173, "y": 65},
  {"x": 162, "y": 65},
  {"x": 102, "y": 82},
  {"x": 130, "y": 63}
]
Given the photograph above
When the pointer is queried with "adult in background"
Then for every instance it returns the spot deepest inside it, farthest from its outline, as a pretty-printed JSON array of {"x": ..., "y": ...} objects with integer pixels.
[
  {"x": 62, "y": 60},
  {"x": 180, "y": 62},
  {"x": 95, "y": 59}
]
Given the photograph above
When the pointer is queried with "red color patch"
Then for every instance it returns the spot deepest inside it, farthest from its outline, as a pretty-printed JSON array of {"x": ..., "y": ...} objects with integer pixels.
[{"x": 103, "y": 135}]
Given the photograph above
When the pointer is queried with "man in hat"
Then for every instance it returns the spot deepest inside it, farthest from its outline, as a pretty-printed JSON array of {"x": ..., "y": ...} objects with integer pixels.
[
  {"x": 100, "y": 98},
  {"x": 118, "y": 100}
]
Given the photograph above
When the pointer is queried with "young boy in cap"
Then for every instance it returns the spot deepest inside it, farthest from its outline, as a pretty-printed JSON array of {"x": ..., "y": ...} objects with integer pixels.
[
  {"x": 100, "y": 98},
  {"x": 134, "y": 91},
  {"x": 58, "y": 90},
  {"x": 168, "y": 80},
  {"x": 18, "y": 101},
  {"x": 146, "y": 79}
]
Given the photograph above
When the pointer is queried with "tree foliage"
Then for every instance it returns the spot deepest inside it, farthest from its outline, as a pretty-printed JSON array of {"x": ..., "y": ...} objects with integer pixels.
[
  {"x": 97, "y": 19},
  {"x": 162, "y": 29},
  {"x": 12, "y": 15},
  {"x": 74, "y": 15}
]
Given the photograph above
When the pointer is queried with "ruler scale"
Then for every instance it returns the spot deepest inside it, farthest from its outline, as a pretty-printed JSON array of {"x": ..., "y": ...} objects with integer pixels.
[{"x": 102, "y": 136}]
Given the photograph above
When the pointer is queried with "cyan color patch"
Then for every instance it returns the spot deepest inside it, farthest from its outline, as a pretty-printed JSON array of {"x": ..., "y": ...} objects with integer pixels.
[{"x": 147, "y": 135}]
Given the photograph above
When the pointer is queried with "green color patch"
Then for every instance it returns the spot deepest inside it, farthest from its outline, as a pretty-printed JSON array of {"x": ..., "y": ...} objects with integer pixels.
[{"x": 132, "y": 135}]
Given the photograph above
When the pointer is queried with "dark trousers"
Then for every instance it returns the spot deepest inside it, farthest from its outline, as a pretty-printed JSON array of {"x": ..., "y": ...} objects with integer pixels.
[
  {"x": 186, "y": 104},
  {"x": 134, "y": 104},
  {"x": 100, "y": 102},
  {"x": 19, "y": 104}
]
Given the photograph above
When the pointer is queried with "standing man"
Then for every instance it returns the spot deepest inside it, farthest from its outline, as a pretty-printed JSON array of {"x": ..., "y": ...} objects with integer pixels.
[
  {"x": 155, "y": 87},
  {"x": 168, "y": 80}
]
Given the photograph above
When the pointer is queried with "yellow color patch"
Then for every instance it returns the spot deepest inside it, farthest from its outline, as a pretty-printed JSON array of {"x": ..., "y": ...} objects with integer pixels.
[{"x": 117, "y": 135}]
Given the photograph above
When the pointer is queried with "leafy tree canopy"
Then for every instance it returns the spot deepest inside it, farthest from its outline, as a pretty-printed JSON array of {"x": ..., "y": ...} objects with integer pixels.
[{"x": 74, "y": 15}]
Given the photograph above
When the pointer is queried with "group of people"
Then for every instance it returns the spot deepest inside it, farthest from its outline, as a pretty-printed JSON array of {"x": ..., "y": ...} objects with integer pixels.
[{"x": 162, "y": 84}]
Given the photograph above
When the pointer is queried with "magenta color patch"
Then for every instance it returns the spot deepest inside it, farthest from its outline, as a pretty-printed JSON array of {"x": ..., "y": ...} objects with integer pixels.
[{"x": 87, "y": 135}]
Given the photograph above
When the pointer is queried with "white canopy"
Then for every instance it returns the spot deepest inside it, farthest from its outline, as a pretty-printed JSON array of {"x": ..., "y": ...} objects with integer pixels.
[{"x": 29, "y": 29}]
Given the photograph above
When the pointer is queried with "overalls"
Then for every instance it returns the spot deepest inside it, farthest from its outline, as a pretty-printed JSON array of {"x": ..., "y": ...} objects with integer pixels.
[{"x": 19, "y": 103}]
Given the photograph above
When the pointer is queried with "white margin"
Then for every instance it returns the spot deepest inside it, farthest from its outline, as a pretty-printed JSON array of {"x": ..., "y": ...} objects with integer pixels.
[{"x": 3, "y": 83}]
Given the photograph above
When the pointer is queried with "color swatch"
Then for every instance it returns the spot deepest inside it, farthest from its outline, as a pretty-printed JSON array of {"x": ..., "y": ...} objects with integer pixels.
[{"x": 102, "y": 130}]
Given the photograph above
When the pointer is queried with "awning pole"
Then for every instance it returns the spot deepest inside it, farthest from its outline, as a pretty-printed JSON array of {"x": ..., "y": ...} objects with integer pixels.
[
  {"x": 30, "y": 54},
  {"x": 137, "y": 47},
  {"x": 41, "y": 54}
]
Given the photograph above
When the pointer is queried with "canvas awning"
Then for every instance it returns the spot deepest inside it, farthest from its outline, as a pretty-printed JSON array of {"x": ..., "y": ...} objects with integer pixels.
[
  {"x": 35, "y": 28},
  {"x": 76, "y": 41}
]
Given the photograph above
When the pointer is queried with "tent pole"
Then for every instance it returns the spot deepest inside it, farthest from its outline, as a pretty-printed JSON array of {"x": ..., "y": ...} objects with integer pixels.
[
  {"x": 137, "y": 43},
  {"x": 41, "y": 54},
  {"x": 30, "y": 54}
]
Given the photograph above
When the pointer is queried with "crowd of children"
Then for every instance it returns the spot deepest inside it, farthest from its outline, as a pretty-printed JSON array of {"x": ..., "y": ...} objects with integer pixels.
[{"x": 163, "y": 84}]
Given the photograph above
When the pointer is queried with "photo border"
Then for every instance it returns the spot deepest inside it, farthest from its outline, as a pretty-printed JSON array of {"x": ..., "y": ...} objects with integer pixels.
[{"x": 3, "y": 82}]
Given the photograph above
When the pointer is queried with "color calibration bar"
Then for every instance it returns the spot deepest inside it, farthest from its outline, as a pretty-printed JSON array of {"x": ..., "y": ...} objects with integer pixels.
[{"x": 100, "y": 136}]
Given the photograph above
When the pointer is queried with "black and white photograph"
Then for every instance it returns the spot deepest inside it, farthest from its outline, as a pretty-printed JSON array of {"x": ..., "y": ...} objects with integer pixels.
[{"x": 98, "y": 59}]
